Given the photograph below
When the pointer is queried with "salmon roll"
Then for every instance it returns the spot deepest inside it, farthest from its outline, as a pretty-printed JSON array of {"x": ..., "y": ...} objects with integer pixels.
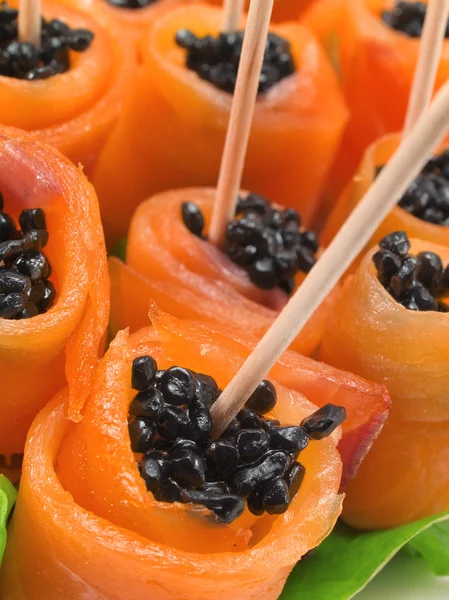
[
  {"x": 378, "y": 44},
  {"x": 71, "y": 91},
  {"x": 233, "y": 515},
  {"x": 54, "y": 299},
  {"x": 132, "y": 16},
  {"x": 169, "y": 260},
  {"x": 180, "y": 115},
  {"x": 366, "y": 403},
  {"x": 422, "y": 212},
  {"x": 283, "y": 10},
  {"x": 389, "y": 325}
]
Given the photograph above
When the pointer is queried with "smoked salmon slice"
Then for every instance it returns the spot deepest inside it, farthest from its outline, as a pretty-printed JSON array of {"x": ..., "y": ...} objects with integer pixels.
[
  {"x": 283, "y": 10},
  {"x": 41, "y": 355},
  {"x": 190, "y": 278},
  {"x": 174, "y": 132},
  {"x": 376, "y": 156},
  {"x": 403, "y": 477},
  {"x": 90, "y": 523},
  {"x": 74, "y": 111},
  {"x": 367, "y": 403},
  {"x": 377, "y": 65},
  {"x": 132, "y": 21}
]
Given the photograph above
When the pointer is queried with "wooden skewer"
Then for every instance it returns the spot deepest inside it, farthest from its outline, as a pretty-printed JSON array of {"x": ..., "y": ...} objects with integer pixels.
[
  {"x": 242, "y": 111},
  {"x": 232, "y": 13},
  {"x": 30, "y": 22},
  {"x": 389, "y": 186},
  {"x": 429, "y": 57}
]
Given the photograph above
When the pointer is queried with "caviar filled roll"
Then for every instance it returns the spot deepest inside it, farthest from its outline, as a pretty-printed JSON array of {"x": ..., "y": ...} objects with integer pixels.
[
  {"x": 71, "y": 91},
  {"x": 283, "y": 10},
  {"x": 366, "y": 403},
  {"x": 169, "y": 260},
  {"x": 230, "y": 516},
  {"x": 180, "y": 115},
  {"x": 378, "y": 44},
  {"x": 53, "y": 297},
  {"x": 131, "y": 16},
  {"x": 390, "y": 325},
  {"x": 422, "y": 212}
]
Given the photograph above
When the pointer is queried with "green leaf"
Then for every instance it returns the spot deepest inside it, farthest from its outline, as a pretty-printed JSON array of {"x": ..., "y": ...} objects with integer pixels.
[
  {"x": 332, "y": 48},
  {"x": 119, "y": 249},
  {"x": 433, "y": 545},
  {"x": 8, "y": 496},
  {"x": 347, "y": 560}
]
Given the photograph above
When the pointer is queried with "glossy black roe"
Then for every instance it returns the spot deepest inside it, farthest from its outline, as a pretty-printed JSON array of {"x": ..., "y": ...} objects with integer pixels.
[
  {"x": 290, "y": 438},
  {"x": 193, "y": 218},
  {"x": 223, "y": 456},
  {"x": 427, "y": 198},
  {"x": 324, "y": 421},
  {"x": 277, "y": 498},
  {"x": 132, "y": 4},
  {"x": 255, "y": 458},
  {"x": 178, "y": 385},
  {"x": 216, "y": 59},
  {"x": 227, "y": 507},
  {"x": 142, "y": 433},
  {"x": 263, "y": 399},
  {"x": 147, "y": 404},
  {"x": 418, "y": 282},
  {"x": 143, "y": 371},
  {"x": 268, "y": 243},
  {"x": 252, "y": 444},
  {"x": 247, "y": 479},
  {"x": 294, "y": 477},
  {"x": 408, "y": 18},
  {"x": 24, "y": 61},
  {"x": 25, "y": 290}
]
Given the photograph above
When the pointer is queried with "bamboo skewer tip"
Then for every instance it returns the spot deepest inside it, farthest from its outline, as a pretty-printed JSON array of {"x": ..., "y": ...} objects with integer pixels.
[
  {"x": 232, "y": 13},
  {"x": 242, "y": 110},
  {"x": 30, "y": 22}
]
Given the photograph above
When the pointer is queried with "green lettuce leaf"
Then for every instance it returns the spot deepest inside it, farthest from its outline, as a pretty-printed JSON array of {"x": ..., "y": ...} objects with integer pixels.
[
  {"x": 332, "y": 48},
  {"x": 347, "y": 560},
  {"x": 8, "y": 496},
  {"x": 119, "y": 249},
  {"x": 433, "y": 545}
]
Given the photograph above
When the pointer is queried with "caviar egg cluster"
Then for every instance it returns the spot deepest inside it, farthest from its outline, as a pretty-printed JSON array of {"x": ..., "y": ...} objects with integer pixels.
[
  {"x": 408, "y": 18},
  {"x": 268, "y": 243},
  {"x": 216, "y": 59},
  {"x": 25, "y": 61},
  {"x": 417, "y": 282},
  {"x": 25, "y": 290},
  {"x": 131, "y": 3},
  {"x": 428, "y": 196},
  {"x": 254, "y": 461}
]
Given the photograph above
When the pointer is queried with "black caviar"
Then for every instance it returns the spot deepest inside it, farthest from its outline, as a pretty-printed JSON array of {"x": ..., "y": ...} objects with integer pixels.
[
  {"x": 25, "y": 290},
  {"x": 131, "y": 3},
  {"x": 408, "y": 18},
  {"x": 267, "y": 242},
  {"x": 427, "y": 198},
  {"x": 24, "y": 61},
  {"x": 216, "y": 59},
  {"x": 254, "y": 461},
  {"x": 417, "y": 282}
]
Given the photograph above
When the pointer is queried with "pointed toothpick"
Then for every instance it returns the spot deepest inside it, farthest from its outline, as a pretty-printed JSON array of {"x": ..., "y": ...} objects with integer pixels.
[
  {"x": 389, "y": 186},
  {"x": 232, "y": 13},
  {"x": 242, "y": 111},
  {"x": 430, "y": 49},
  {"x": 30, "y": 22}
]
